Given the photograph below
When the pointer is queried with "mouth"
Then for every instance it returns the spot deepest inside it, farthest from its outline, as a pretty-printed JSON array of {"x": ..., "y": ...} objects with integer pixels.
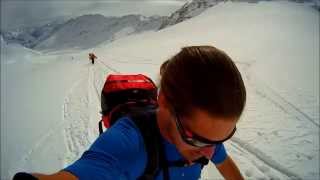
[{"x": 192, "y": 155}]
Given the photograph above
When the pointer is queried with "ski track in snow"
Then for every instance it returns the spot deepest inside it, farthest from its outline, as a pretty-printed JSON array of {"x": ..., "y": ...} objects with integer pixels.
[
  {"x": 75, "y": 118},
  {"x": 81, "y": 111},
  {"x": 38, "y": 145},
  {"x": 263, "y": 162},
  {"x": 80, "y": 115},
  {"x": 108, "y": 66},
  {"x": 278, "y": 100},
  {"x": 265, "y": 91}
]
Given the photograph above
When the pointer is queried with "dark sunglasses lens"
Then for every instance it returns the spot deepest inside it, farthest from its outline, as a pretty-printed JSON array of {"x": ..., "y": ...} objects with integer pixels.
[
  {"x": 201, "y": 142},
  {"x": 196, "y": 143},
  {"x": 194, "y": 140}
]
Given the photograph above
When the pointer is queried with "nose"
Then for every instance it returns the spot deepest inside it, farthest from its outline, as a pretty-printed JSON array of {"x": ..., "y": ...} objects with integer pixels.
[{"x": 207, "y": 152}]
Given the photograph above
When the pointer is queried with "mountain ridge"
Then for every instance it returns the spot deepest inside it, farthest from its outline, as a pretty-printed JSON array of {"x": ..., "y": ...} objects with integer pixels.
[
  {"x": 193, "y": 8},
  {"x": 81, "y": 32}
]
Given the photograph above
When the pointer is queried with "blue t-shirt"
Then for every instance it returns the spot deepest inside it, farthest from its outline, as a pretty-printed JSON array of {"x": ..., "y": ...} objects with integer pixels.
[{"x": 119, "y": 153}]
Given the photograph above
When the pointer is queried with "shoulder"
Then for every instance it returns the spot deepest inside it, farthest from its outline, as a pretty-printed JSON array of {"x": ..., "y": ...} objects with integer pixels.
[
  {"x": 118, "y": 151},
  {"x": 123, "y": 135},
  {"x": 219, "y": 155}
]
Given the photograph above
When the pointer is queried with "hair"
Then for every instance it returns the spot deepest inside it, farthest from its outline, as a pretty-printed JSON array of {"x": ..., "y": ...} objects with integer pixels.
[
  {"x": 163, "y": 67},
  {"x": 203, "y": 77}
]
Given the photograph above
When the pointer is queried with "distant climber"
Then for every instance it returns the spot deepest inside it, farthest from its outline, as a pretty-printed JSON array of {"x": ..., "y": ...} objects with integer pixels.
[{"x": 92, "y": 57}]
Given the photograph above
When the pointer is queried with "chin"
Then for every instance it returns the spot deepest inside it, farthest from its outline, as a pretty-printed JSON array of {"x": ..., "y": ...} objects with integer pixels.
[{"x": 190, "y": 154}]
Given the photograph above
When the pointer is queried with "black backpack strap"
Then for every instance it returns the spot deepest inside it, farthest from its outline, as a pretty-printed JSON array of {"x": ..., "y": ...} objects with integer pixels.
[
  {"x": 164, "y": 163},
  {"x": 100, "y": 127},
  {"x": 145, "y": 119}
]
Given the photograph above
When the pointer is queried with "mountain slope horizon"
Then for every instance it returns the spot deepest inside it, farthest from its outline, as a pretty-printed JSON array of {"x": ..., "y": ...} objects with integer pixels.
[{"x": 82, "y": 32}]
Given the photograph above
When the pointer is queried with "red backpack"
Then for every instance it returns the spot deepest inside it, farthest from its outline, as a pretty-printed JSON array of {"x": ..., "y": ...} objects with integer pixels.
[{"x": 123, "y": 91}]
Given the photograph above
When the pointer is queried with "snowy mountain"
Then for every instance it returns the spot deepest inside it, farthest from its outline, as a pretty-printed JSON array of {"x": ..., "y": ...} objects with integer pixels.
[
  {"x": 31, "y": 36},
  {"x": 189, "y": 10},
  {"x": 193, "y": 8},
  {"x": 82, "y": 32}
]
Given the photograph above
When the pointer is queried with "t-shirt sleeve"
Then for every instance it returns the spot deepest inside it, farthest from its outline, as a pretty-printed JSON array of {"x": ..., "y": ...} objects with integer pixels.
[
  {"x": 111, "y": 154},
  {"x": 219, "y": 155}
]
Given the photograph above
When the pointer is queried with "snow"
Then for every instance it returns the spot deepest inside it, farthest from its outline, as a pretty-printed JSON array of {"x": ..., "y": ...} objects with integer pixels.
[
  {"x": 123, "y": 32},
  {"x": 50, "y": 102}
]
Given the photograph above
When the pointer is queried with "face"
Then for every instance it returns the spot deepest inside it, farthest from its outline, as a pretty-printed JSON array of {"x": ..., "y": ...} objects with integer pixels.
[{"x": 195, "y": 135}]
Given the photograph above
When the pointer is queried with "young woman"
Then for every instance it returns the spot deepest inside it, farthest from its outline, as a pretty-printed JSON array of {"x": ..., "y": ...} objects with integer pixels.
[{"x": 201, "y": 99}]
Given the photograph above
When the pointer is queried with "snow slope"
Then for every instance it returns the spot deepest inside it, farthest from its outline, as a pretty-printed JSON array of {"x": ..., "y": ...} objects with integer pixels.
[{"x": 274, "y": 44}]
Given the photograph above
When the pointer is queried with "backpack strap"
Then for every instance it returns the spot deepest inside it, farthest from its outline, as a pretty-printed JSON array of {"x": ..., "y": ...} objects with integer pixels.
[
  {"x": 145, "y": 119},
  {"x": 164, "y": 163}
]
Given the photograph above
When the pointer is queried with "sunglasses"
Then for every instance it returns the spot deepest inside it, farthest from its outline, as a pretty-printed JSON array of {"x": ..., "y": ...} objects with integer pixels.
[{"x": 196, "y": 140}]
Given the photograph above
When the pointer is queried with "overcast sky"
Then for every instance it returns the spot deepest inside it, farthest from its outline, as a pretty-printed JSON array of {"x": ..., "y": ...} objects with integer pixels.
[{"x": 15, "y": 13}]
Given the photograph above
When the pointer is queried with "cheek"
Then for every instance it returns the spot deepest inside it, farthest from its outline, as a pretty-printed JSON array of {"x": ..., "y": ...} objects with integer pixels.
[
  {"x": 182, "y": 146},
  {"x": 163, "y": 118},
  {"x": 189, "y": 153},
  {"x": 178, "y": 141}
]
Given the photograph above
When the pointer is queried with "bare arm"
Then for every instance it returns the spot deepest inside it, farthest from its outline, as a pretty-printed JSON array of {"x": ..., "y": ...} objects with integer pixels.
[
  {"x": 229, "y": 170},
  {"x": 62, "y": 175}
]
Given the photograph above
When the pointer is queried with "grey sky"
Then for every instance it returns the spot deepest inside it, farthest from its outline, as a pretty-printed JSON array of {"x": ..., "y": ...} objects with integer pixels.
[{"x": 15, "y": 13}]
